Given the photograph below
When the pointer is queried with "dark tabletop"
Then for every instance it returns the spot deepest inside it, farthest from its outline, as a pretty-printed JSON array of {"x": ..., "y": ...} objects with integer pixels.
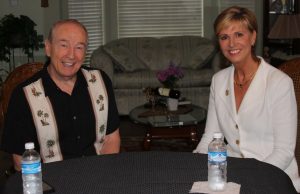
[{"x": 153, "y": 173}]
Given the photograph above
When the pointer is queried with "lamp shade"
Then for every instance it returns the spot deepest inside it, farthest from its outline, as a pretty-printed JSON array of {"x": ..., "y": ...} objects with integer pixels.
[{"x": 286, "y": 27}]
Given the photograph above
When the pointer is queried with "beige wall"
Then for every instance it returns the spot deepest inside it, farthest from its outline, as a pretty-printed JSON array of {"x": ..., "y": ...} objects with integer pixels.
[{"x": 43, "y": 17}]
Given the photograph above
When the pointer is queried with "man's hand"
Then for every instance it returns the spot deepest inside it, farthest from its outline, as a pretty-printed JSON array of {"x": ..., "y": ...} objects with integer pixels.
[
  {"x": 17, "y": 162},
  {"x": 112, "y": 143}
]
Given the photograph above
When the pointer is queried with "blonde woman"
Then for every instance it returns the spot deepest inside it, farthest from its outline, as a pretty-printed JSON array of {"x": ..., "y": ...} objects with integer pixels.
[{"x": 252, "y": 103}]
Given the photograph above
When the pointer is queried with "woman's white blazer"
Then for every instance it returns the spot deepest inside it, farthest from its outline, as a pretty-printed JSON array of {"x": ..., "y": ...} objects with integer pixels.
[{"x": 264, "y": 127}]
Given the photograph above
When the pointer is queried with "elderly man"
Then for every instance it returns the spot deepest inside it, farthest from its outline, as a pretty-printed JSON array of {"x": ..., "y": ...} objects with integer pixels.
[{"x": 66, "y": 109}]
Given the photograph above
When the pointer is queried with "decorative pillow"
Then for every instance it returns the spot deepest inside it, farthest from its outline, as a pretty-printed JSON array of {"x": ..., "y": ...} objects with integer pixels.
[
  {"x": 148, "y": 51},
  {"x": 171, "y": 50},
  {"x": 199, "y": 56},
  {"x": 124, "y": 59}
]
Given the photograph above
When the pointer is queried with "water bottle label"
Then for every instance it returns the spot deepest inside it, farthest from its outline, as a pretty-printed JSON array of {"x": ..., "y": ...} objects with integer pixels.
[
  {"x": 32, "y": 168},
  {"x": 217, "y": 156}
]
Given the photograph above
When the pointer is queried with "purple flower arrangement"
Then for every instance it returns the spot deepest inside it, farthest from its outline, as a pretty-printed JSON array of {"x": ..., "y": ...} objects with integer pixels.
[{"x": 169, "y": 76}]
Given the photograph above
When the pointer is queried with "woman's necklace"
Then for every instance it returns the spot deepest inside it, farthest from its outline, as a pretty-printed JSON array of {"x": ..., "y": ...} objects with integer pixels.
[{"x": 241, "y": 85}]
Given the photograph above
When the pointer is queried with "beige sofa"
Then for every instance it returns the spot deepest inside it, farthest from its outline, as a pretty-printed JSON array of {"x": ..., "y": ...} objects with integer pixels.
[{"x": 132, "y": 63}]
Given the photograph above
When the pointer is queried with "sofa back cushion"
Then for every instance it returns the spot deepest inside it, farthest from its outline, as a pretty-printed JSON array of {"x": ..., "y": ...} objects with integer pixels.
[
  {"x": 148, "y": 50},
  {"x": 139, "y": 53},
  {"x": 124, "y": 59},
  {"x": 199, "y": 51}
]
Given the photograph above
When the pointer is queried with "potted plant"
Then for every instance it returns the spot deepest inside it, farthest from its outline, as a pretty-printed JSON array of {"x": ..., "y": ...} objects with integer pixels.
[{"x": 18, "y": 32}]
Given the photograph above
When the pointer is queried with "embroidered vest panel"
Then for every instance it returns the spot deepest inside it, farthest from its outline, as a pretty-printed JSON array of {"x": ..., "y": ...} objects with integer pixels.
[
  {"x": 99, "y": 100},
  {"x": 44, "y": 121},
  {"x": 44, "y": 118}
]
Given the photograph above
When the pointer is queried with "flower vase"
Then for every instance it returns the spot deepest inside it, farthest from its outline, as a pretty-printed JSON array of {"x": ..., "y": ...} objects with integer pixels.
[{"x": 172, "y": 104}]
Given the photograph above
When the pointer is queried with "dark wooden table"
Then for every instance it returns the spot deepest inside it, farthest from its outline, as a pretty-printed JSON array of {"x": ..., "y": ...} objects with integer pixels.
[
  {"x": 153, "y": 173},
  {"x": 182, "y": 128}
]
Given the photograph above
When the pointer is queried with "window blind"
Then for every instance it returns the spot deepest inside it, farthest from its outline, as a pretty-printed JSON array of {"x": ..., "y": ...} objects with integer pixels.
[
  {"x": 90, "y": 14},
  {"x": 157, "y": 18}
]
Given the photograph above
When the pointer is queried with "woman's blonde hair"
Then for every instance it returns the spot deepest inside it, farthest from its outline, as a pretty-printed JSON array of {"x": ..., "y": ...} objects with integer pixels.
[{"x": 235, "y": 14}]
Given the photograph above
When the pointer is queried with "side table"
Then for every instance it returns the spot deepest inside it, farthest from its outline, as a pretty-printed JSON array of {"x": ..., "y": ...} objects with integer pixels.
[{"x": 169, "y": 125}]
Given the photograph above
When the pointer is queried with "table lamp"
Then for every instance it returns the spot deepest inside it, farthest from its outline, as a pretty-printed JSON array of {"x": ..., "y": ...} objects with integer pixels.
[{"x": 286, "y": 27}]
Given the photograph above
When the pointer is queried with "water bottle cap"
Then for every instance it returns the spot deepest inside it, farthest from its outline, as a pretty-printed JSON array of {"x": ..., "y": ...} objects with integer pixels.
[
  {"x": 218, "y": 135},
  {"x": 29, "y": 145}
]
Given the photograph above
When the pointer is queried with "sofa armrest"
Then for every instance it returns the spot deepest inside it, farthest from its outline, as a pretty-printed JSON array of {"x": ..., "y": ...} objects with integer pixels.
[{"x": 101, "y": 60}]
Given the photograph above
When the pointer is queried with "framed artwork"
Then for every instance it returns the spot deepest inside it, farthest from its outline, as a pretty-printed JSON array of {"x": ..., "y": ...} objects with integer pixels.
[{"x": 283, "y": 6}]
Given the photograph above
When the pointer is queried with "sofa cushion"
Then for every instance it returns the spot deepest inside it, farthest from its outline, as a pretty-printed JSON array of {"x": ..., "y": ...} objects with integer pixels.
[
  {"x": 200, "y": 56},
  {"x": 145, "y": 78},
  {"x": 196, "y": 78},
  {"x": 200, "y": 52},
  {"x": 148, "y": 49},
  {"x": 171, "y": 50},
  {"x": 124, "y": 59},
  {"x": 140, "y": 53},
  {"x": 137, "y": 79}
]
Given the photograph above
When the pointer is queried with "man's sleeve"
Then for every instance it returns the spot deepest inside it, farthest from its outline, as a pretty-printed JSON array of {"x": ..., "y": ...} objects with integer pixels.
[{"x": 18, "y": 124}]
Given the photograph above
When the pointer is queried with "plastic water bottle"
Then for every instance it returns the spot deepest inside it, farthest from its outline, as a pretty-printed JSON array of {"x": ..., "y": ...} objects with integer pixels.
[
  {"x": 217, "y": 163},
  {"x": 31, "y": 170}
]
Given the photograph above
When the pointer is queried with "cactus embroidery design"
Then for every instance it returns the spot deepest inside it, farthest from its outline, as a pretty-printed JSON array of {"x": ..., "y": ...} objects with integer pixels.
[
  {"x": 44, "y": 117},
  {"x": 35, "y": 92},
  {"x": 101, "y": 129},
  {"x": 100, "y": 102},
  {"x": 50, "y": 144},
  {"x": 93, "y": 78}
]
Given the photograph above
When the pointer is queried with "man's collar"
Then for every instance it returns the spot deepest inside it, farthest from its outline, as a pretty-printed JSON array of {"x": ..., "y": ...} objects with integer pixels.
[{"x": 50, "y": 85}]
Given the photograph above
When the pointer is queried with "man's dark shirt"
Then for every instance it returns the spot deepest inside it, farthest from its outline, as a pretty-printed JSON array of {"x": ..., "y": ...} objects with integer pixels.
[{"x": 74, "y": 117}]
